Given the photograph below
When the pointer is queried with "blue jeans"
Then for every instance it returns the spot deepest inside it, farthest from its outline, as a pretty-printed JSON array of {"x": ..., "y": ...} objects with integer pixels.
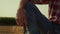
[
  {"x": 56, "y": 28},
  {"x": 36, "y": 20},
  {"x": 31, "y": 22}
]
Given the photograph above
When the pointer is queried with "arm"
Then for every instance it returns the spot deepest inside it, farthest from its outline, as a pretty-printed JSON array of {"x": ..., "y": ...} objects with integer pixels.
[
  {"x": 20, "y": 16},
  {"x": 24, "y": 2},
  {"x": 40, "y": 1}
]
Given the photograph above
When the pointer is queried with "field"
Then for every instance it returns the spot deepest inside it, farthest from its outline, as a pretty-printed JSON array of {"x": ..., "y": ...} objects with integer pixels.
[
  {"x": 11, "y": 30},
  {"x": 8, "y": 26}
]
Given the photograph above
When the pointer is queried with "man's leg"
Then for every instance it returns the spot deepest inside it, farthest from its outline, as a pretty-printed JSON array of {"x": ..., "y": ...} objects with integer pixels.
[
  {"x": 42, "y": 20},
  {"x": 25, "y": 31},
  {"x": 57, "y": 29},
  {"x": 32, "y": 23}
]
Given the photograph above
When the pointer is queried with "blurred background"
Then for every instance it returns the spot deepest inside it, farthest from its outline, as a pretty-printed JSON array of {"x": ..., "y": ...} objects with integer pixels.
[{"x": 8, "y": 9}]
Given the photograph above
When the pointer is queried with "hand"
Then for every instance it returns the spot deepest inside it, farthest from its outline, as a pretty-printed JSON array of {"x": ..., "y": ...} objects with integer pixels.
[
  {"x": 53, "y": 19},
  {"x": 21, "y": 17}
]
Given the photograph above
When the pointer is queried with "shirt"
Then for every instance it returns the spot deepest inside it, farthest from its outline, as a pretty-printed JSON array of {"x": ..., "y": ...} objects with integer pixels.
[{"x": 54, "y": 9}]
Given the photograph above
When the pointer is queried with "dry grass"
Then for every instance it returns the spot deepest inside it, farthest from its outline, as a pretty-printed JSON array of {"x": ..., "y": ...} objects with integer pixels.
[{"x": 11, "y": 30}]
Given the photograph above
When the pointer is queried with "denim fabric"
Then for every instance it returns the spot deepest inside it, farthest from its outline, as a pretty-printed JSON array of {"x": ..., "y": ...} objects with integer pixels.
[
  {"x": 25, "y": 30},
  {"x": 36, "y": 20},
  {"x": 56, "y": 28},
  {"x": 32, "y": 22}
]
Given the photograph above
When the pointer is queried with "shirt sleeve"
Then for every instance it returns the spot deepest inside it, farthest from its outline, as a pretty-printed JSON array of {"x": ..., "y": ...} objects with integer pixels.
[{"x": 41, "y": 1}]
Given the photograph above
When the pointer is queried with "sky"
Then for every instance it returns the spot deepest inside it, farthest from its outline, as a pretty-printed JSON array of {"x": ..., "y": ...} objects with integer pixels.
[{"x": 8, "y": 8}]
